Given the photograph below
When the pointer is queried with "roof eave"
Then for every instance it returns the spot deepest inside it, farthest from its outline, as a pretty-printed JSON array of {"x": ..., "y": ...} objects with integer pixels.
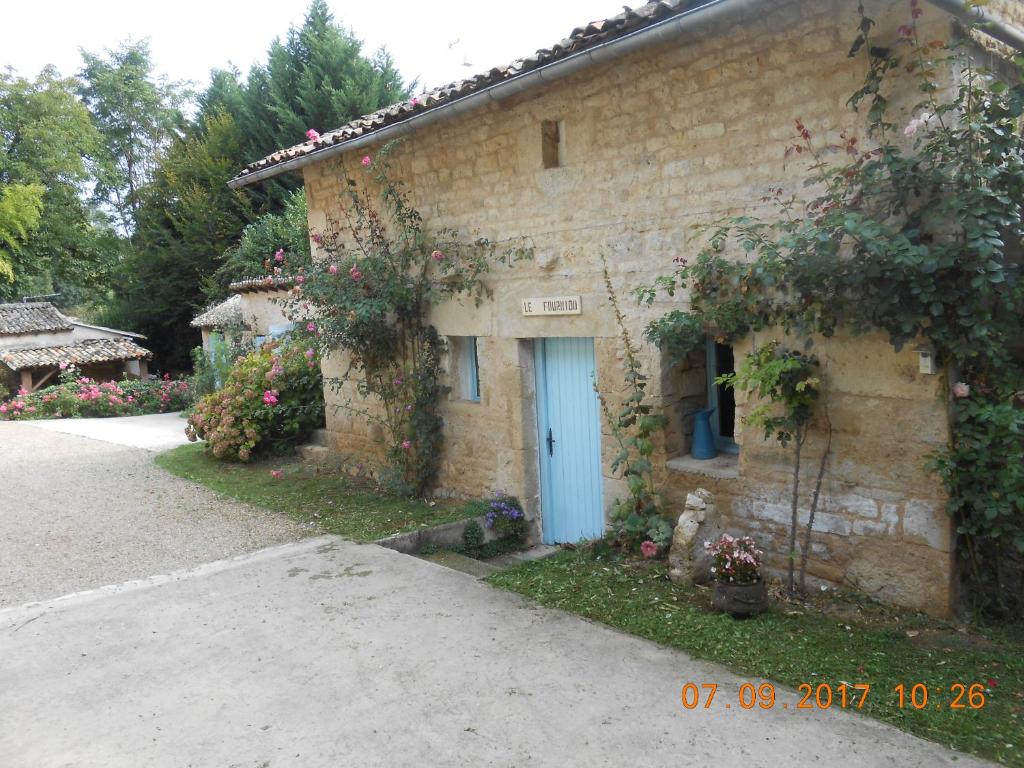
[{"x": 686, "y": 22}]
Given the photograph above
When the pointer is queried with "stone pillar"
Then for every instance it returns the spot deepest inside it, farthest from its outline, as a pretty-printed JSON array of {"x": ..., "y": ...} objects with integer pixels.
[{"x": 687, "y": 562}]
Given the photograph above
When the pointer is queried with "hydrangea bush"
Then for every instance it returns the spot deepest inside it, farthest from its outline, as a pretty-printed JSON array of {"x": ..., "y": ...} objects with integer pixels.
[
  {"x": 271, "y": 401},
  {"x": 82, "y": 397}
]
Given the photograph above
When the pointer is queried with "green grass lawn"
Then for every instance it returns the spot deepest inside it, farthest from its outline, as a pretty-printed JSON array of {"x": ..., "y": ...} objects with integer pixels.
[
  {"x": 836, "y": 638},
  {"x": 336, "y": 503}
]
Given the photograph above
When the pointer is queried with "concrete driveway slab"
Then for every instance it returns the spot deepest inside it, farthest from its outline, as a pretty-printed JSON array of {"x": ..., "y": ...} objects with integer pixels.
[
  {"x": 326, "y": 653},
  {"x": 155, "y": 432}
]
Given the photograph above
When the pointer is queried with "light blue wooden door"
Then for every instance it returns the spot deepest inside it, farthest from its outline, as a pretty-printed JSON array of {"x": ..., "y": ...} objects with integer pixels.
[{"x": 570, "y": 441}]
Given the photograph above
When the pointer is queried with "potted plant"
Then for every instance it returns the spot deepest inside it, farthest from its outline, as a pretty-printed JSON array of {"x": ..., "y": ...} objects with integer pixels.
[{"x": 736, "y": 569}]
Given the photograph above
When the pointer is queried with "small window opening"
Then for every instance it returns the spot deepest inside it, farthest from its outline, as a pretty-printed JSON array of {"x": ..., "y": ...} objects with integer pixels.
[
  {"x": 553, "y": 143},
  {"x": 721, "y": 360},
  {"x": 466, "y": 376}
]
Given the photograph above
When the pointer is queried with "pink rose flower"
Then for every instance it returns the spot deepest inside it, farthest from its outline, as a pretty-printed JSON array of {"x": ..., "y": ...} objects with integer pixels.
[
  {"x": 649, "y": 549},
  {"x": 333, "y": 269},
  {"x": 309, "y": 353},
  {"x": 311, "y": 327},
  {"x": 366, "y": 161},
  {"x": 437, "y": 256},
  {"x": 279, "y": 255},
  {"x": 354, "y": 273},
  {"x": 300, "y": 279},
  {"x": 312, "y": 135},
  {"x": 406, "y": 445},
  {"x": 270, "y": 397},
  {"x": 961, "y": 389}
]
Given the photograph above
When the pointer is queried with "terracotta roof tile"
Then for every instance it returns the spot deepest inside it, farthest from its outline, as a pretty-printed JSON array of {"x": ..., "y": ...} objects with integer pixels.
[
  {"x": 227, "y": 313},
  {"x": 256, "y": 284},
  {"x": 579, "y": 39},
  {"x": 37, "y": 317},
  {"x": 88, "y": 351}
]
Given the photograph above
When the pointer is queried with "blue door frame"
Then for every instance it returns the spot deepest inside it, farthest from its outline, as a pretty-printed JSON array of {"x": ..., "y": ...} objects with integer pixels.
[{"x": 568, "y": 418}]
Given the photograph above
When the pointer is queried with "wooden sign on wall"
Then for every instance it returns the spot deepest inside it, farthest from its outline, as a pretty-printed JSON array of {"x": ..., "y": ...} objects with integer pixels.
[{"x": 552, "y": 305}]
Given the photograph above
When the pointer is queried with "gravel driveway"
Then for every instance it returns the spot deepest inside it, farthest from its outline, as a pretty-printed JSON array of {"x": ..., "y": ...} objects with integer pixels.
[{"x": 77, "y": 513}]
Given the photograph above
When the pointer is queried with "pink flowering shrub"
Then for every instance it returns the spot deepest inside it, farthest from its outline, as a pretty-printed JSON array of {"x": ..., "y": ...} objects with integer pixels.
[
  {"x": 82, "y": 397},
  {"x": 735, "y": 560},
  {"x": 271, "y": 401}
]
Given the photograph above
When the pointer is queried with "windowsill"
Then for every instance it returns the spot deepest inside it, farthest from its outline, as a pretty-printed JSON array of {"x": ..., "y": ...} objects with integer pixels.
[{"x": 725, "y": 466}]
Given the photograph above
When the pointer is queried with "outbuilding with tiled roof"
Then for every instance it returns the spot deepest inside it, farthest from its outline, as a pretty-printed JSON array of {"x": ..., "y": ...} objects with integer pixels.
[{"x": 36, "y": 339}]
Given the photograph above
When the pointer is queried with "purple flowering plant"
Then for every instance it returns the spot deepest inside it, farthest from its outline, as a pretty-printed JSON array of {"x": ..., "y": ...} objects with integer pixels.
[{"x": 505, "y": 515}]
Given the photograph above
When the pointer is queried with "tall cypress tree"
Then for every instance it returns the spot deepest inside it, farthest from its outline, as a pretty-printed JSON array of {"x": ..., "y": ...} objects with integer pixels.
[{"x": 316, "y": 78}]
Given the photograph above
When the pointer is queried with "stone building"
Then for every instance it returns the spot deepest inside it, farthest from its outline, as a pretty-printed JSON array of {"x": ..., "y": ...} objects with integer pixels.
[
  {"x": 253, "y": 313},
  {"x": 36, "y": 339},
  {"x": 618, "y": 140}
]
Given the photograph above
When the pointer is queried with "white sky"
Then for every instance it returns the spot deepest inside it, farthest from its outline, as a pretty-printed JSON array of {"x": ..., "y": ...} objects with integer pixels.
[{"x": 429, "y": 39}]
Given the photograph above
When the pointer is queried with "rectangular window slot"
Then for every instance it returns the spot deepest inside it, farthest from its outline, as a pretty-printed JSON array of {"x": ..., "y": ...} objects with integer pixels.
[
  {"x": 465, "y": 364},
  {"x": 553, "y": 143}
]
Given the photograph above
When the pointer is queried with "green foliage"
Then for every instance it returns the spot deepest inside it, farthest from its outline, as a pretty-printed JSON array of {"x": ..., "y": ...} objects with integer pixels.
[
  {"x": 271, "y": 401},
  {"x": 45, "y": 138},
  {"x": 785, "y": 378},
  {"x": 188, "y": 218},
  {"x": 137, "y": 114},
  {"x": 472, "y": 536},
  {"x": 635, "y": 429},
  {"x": 984, "y": 475},
  {"x": 920, "y": 237},
  {"x": 288, "y": 230},
  {"x": 21, "y": 208},
  {"x": 317, "y": 77},
  {"x": 329, "y": 502},
  {"x": 381, "y": 274}
]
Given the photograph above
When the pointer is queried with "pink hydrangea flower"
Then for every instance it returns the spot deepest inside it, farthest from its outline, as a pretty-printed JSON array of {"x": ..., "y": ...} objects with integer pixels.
[
  {"x": 312, "y": 134},
  {"x": 310, "y": 353},
  {"x": 300, "y": 279},
  {"x": 366, "y": 161},
  {"x": 437, "y": 256},
  {"x": 333, "y": 269},
  {"x": 649, "y": 549},
  {"x": 277, "y": 474},
  {"x": 270, "y": 397},
  {"x": 279, "y": 255}
]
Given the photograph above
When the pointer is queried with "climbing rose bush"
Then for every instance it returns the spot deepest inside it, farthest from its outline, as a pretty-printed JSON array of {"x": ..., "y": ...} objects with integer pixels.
[
  {"x": 83, "y": 397},
  {"x": 271, "y": 401}
]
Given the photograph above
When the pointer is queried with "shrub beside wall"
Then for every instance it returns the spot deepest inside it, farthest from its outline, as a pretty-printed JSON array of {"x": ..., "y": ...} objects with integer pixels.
[{"x": 271, "y": 401}]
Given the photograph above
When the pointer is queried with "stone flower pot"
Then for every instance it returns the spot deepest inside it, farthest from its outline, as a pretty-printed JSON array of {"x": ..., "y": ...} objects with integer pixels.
[{"x": 741, "y": 601}]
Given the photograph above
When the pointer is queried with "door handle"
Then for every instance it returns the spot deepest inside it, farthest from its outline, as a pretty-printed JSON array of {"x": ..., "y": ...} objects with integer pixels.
[{"x": 551, "y": 443}]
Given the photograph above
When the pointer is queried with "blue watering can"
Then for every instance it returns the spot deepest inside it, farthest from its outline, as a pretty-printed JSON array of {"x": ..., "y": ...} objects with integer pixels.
[{"x": 703, "y": 440}]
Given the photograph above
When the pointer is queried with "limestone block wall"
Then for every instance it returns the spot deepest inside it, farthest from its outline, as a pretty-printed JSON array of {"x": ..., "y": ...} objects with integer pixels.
[
  {"x": 260, "y": 310},
  {"x": 653, "y": 144}
]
